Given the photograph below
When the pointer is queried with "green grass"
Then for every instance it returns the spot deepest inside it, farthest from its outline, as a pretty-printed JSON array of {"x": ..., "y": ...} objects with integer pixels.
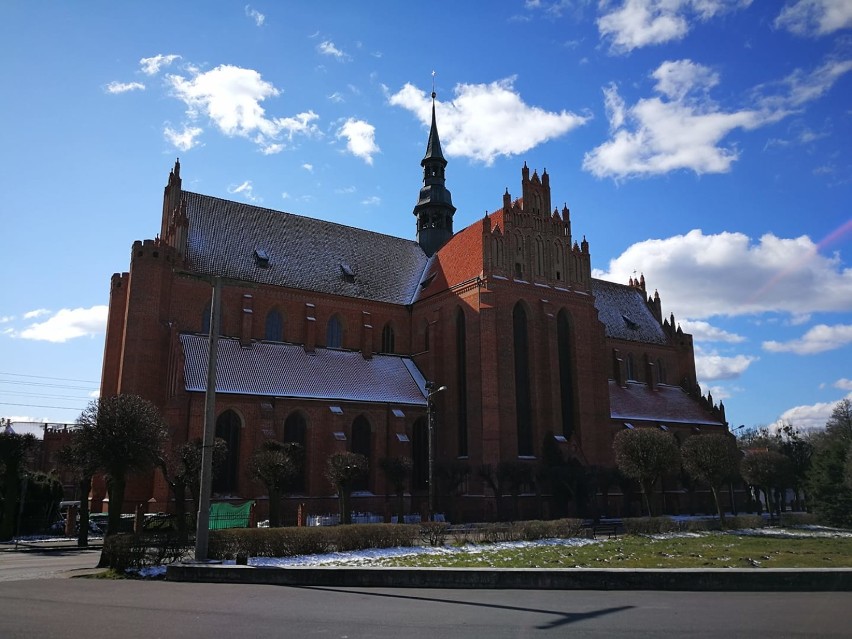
[{"x": 710, "y": 550}]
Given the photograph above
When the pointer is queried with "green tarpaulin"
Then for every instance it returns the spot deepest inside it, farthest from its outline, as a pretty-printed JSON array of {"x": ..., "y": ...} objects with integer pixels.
[{"x": 229, "y": 516}]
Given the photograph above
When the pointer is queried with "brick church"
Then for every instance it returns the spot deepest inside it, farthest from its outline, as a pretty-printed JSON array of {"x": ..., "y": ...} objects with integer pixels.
[{"x": 329, "y": 336}]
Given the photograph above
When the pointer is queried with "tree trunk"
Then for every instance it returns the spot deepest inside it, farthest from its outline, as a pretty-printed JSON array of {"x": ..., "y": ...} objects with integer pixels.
[
  {"x": 647, "y": 487},
  {"x": 274, "y": 508},
  {"x": 400, "y": 511},
  {"x": 345, "y": 515},
  {"x": 719, "y": 508},
  {"x": 83, "y": 532},
  {"x": 179, "y": 488},
  {"x": 116, "y": 504}
]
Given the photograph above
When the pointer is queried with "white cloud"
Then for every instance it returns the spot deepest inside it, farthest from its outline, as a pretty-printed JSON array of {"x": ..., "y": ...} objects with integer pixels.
[
  {"x": 327, "y": 47},
  {"x": 67, "y": 324},
  {"x": 373, "y": 200},
  {"x": 683, "y": 129},
  {"x": 485, "y": 121},
  {"x": 712, "y": 366},
  {"x": 336, "y": 97},
  {"x": 152, "y": 66},
  {"x": 5, "y": 319},
  {"x": 272, "y": 148},
  {"x": 360, "y": 138},
  {"x": 183, "y": 140},
  {"x": 255, "y": 15},
  {"x": 818, "y": 339},
  {"x": 727, "y": 274},
  {"x": 843, "y": 384},
  {"x": 345, "y": 190},
  {"x": 246, "y": 189},
  {"x": 658, "y": 135},
  {"x": 810, "y": 417},
  {"x": 705, "y": 332},
  {"x": 124, "y": 87},
  {"x": 231, "y": 97},
  {"x": 638, "y": 23},
  {"x": 308, "y": 167},
  {"x": 815, "y": 17},
  {"x": 39, "y": 312}
]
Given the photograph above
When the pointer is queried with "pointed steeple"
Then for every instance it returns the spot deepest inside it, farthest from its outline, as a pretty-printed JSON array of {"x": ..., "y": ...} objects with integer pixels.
[{"x": 434, "y": 209}]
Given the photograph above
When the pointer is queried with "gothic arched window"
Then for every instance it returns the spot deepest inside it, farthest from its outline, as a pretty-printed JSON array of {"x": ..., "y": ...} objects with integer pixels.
[
  {"x": 461, "y": 377},
  {"x": 362, "y": 444},
  {"x": 296, "y": 432},
  {"x": 274, "y": 329},
  {"x": 334, "y": 333},
  {"x": 387, "y": 339},
  {"x": 228, "y": 427},
  {"x": 523, "y": 393},
  {"x": 566, "y": 369}
]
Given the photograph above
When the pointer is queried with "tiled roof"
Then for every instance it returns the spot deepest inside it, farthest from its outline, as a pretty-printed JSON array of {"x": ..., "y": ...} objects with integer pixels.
[
  {"x": 459, "y": 260},
  {"x": 664, "y": 404},
  {"x": 625, "y": 313},
  {"x": 304, "y": 253},
  {"x": 286, "y": 370}
]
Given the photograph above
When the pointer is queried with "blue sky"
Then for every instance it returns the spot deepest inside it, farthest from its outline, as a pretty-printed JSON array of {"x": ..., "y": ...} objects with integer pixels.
[{"x": 704, "y": 143}]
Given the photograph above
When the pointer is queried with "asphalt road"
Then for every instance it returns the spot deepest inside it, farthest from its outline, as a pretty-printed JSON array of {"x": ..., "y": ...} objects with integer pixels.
[
  {"x": 128, "y": 609},
  {"x": 43, "y": 564}
]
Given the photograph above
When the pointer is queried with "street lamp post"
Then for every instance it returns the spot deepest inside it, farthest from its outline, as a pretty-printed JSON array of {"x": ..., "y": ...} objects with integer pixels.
[{"x": 430, "y": 425}]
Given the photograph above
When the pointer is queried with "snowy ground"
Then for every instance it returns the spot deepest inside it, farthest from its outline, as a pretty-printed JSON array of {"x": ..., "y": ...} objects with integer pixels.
[{"x": 369, "y": 557}]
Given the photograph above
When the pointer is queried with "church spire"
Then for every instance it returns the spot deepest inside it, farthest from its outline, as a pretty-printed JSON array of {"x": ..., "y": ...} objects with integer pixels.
[{"x": 434, "y": 209}]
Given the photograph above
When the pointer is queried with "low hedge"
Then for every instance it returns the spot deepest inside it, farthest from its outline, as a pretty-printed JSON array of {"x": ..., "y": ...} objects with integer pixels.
[
  {"x": 288, "y": 542},
  {"x": 138, "y": 550}
]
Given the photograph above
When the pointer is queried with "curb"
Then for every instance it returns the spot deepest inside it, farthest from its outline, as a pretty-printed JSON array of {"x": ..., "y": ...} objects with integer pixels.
[{"x": 722, "y": 579}]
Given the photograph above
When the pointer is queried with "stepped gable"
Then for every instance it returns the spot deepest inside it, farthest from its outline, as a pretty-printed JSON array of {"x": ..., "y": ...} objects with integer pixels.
[
  {"x": 625, "y": 313},
  {"x": 303, "y": 253},
  {"x": 286, "y": 370},
  {"x": 663, "y": 404}
]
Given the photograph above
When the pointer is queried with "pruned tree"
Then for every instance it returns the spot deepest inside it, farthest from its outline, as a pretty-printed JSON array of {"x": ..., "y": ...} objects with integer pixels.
[
  {"x": 646, "y": 455},
  {"x": 181, "y": 469},
  {"x": 124, "y": 434},
  {"x": 451, "y": 475},
  {"x": 344, "y": 470},
  {"x": 768, "y": 471},
  {"x": 397, "y": 471},
  {"x": 513, "y": 475},
  {"x": 277, "y": 467},
  {"x": 75, "y": 457},
  {"x": 713, "y": 459},
  {"x": 13, "y": 452}
]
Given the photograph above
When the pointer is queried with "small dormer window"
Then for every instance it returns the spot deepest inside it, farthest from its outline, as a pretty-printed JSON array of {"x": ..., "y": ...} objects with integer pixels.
[
  {"x": 427, "y": 281},
  {"x": 261, "y": 258},
  {"x": 348, "y": 273},
  {"x": 630, "y": 323}
]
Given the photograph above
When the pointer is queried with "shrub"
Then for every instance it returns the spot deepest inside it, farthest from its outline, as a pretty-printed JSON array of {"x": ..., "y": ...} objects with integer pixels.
[
  {"x": 132, "y": 550},
  {"x": 652, "y": 525},
  {"x": 434, "y": 532},
  {"x": 800, "y": 519}
]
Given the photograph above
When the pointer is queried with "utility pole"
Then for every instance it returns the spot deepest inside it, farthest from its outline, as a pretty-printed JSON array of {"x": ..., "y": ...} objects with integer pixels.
[{"x": 202, "y": 531}]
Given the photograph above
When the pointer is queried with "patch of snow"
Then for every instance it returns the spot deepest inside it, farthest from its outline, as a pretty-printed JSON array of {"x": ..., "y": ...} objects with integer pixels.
[{"x": 370, "y": 556}]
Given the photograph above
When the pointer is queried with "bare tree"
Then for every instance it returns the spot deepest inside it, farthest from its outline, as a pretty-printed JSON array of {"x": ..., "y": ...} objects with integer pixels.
[
  {"x": 646, "y": 455},
  {"x": 276, "y": 467},
  {"x": 713, "y": 459},
  {"x": 397, "y": 470},
  {"x": 181, "y": 470},
  {"x": 770, "y": 472},
  {"x": 344, "y": 471},
  {"x": 78, "y": 459}
]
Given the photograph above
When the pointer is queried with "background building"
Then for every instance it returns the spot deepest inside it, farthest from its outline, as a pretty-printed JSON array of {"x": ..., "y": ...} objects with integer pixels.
[{"x": 330, "y": 333}]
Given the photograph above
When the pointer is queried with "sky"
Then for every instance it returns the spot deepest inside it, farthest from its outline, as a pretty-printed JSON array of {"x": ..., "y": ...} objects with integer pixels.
[{"x": 702, "y": 143}]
